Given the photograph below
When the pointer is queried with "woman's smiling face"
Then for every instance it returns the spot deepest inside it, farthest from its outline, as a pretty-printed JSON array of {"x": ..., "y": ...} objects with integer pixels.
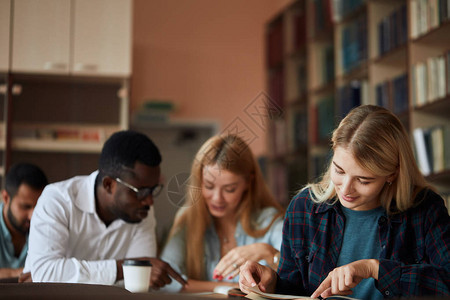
[{"x": 356, "y": 188}]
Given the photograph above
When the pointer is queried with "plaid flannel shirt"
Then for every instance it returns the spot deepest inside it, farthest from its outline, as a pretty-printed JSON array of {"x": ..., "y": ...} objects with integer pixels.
[{"x": 415, "y": 247}]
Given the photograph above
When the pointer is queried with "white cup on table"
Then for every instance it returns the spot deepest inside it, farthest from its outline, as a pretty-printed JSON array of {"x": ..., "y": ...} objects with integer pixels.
[{"x": 136, "y": 275}]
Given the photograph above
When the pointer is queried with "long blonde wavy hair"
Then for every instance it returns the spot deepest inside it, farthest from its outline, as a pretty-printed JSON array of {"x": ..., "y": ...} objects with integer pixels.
[
  {"x": 379, "y": 143},
  {"x": 230, "y": 153}
]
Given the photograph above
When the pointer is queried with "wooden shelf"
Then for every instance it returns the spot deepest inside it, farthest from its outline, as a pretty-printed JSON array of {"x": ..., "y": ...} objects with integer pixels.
[
  {"x": 354, "y": 14},
  {"x": 439, "y": 107},
  {"x": 396, "y": 57},
  {"x": 437, "y": 36},
  {"x": 34, "y": 145},
  {"x": 327, "y": 88},
  {"x": 440, "y": 178},
  {"x": 357, "y": 73}
]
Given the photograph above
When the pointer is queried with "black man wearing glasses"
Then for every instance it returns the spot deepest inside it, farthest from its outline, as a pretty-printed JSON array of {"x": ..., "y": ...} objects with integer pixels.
[{"x": 84, "y": 227}]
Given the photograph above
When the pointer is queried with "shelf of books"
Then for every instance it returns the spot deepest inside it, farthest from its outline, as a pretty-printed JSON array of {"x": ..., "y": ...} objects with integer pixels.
[
  {"x": 287, "y": 88},
  {"x": 392, "y": 53},
  {"x": 430, "y": 89}
]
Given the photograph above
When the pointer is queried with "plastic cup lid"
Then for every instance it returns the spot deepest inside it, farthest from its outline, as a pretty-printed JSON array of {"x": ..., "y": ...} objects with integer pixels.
[{"x": 135, "y": 262}]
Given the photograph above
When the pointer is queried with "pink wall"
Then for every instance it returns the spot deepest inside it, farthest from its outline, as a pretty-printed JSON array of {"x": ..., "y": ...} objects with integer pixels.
[{"x": 207, "y": 56}]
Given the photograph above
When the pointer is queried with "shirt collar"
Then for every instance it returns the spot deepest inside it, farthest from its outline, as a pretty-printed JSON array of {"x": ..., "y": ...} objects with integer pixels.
[
  {"x": 3, "y": 228},
  {"x": 324, "y": 207},
  {"x": 84, "y": 193}
]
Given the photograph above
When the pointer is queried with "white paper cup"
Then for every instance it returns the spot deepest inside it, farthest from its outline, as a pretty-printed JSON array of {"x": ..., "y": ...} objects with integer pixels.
[{"x": 136, "y": 275}]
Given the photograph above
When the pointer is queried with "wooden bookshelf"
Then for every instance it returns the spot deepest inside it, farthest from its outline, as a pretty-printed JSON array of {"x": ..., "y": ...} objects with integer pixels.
[
  {"x": 382, "y": 52},
  {"x": 60, "y": 123}
]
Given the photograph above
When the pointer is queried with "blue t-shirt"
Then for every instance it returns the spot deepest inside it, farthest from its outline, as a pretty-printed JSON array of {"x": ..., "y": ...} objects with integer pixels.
[
  {"x": 361, "y": 241},
  {"x": 7, "y": 257}
]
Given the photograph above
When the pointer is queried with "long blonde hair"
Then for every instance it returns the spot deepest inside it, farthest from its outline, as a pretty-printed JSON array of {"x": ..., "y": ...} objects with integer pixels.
[
  {"x": 230, "y": 153},
  {"x": 379, "y": 143}
]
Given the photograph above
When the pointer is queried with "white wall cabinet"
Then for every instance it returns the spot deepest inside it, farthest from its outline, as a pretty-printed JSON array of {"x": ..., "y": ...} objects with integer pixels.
[
  {"x": 41, "y": 36},
  {"x": 102, "y": 37},
  {"x": 4, "y": 34},
  {"x": 80, "y": 37}
]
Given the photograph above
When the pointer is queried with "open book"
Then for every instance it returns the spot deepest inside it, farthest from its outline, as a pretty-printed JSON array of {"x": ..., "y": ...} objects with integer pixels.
[{"x": 256, "y": 294}]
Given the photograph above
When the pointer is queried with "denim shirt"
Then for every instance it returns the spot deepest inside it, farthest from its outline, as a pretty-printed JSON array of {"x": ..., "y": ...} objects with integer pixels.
[
  {"x": 175, "y": 250},
  {"x": 415, "y": 247},
  {"x": 7, "y": 257}
]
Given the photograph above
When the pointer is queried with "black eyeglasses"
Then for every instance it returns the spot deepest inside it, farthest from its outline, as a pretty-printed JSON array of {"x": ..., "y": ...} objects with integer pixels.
[{"x": 142, "y": 193}]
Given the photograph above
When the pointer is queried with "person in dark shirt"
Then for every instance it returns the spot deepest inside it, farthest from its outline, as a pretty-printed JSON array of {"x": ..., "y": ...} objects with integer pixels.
[{"x": 372, "y": 227}]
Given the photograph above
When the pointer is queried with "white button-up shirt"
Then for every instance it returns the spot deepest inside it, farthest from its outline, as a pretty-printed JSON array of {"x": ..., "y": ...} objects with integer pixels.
[{"x": 69, "y": 242}]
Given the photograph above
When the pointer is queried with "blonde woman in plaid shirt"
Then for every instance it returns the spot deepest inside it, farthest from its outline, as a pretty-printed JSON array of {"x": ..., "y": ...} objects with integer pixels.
[{"x": 371, "y": 228}]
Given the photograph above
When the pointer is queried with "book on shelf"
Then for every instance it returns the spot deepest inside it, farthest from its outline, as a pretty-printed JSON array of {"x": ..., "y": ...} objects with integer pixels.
[
  {"x": 400, "y": 94},
  {"x": 297, "y": 175},
  {"x": 279, "y": 139},
  {"x": 430, "y": 80},
  {"x": 299, "y": 130},
  {"x": 301, "y": 78},
  {"x": 314, "y": 125},
  {"x": 342, "y": 8},
  {"x": 383, "y": 94},
  {"x": 422, "y": 153},
  {"x": 322, "y": 15},
  {"x": 351, "y": 95},
  {"x": 275, "y": 43},
  {"x": 276, "y": 87},
  {"x": 393, "y": 94},
  {"x": 437, "y": 149},
  {"x": 328, "y": 64},
  {"x": 320, "y": 163},
  {"x": 154, "y": 111},
  {"x": 279, "y": 183},
  {"x": 447, "y": 74},
  {"x": 427, "y": 15},
  {"x": 432, "y": 147},
  {"x": 420, "y": 85},
  {"x": 392, "y": 31},
  {"x": 325, "y": 118},
  {"x": 59, "y": 133},
  {"x": 354, "y": 43},
  {"x": 299, "y": 33}
]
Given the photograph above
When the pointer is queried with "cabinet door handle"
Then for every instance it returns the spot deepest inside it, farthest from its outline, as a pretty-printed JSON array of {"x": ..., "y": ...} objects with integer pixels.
[
  {"x": 86, "y": 67},
  {"x": 55, "y": 66},
  {"x": 2, "y": 89},
  {"x": 16, "y": 89}
]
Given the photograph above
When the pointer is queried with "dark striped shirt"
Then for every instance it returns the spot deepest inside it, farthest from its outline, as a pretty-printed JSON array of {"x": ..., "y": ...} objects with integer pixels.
[{"x": 415, "y": 247}]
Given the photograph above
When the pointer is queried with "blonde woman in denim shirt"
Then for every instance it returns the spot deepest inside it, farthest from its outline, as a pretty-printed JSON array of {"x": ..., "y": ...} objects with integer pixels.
[{"x": 229, "y": 217}]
